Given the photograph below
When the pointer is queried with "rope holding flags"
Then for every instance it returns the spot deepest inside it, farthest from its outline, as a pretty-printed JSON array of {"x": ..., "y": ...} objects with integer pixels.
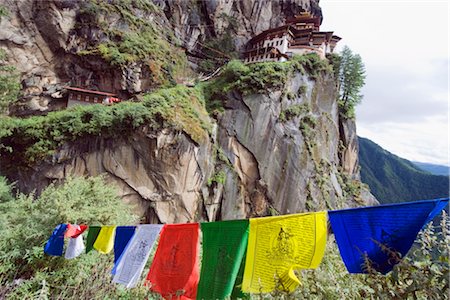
[{"x": 248, "y": 256}]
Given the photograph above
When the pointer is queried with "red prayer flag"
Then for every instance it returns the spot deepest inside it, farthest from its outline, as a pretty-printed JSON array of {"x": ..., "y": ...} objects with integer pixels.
[
  {"x": 174, "y": 272},
  {"x": 73, "y": 231}
]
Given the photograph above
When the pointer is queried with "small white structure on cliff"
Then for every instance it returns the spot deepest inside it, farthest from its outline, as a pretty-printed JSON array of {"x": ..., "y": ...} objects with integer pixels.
[
  {"x": 78, "y": 96},
  {"x": 300, "y": 35}
]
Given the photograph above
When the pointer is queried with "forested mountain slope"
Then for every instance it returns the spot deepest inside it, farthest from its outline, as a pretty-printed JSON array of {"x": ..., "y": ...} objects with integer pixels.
[{"x": 394, "y": 179}]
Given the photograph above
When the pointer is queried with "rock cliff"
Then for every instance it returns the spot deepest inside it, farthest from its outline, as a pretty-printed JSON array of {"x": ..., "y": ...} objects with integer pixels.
[
  {"x": 282, "y": 151},
  {"x": 96, "y": 44}
]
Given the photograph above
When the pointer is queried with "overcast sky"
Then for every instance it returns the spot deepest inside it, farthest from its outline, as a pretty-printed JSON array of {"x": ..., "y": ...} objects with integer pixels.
[{"x": 405, "y": 48}]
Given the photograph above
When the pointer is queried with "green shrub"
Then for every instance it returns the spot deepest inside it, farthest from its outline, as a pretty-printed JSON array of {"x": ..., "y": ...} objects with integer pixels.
[
  {"x": 28, "y": 223},
  {"x": 301, "y": 91},
  {"x": 32, "y": 139},
  {"x": 9, "y": 83},
  {"x": 4, "y": 12},
  {"x": 218, "y": 177},
  {"x": 5, "y": 190},
  {"x": 260, "y": 78},
  {"x": 141, "y": 40},
  {"x": 294, "y": 111}
]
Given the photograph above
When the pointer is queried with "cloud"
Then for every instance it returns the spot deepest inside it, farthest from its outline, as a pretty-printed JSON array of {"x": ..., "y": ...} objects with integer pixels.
[
  {"x": 404, "y": 45},
  {"x": 425, "y": 141},
  {"x": 394, "y": 96}
]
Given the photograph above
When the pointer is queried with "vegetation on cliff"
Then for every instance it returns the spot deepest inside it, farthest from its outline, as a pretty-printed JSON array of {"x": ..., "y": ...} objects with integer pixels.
[
  {"x": 9, "y": 83},
  {"x": 130, "y": 32},
  {"x": 35, "y": 138},
  {"x": 259, "y": 78},
  {"x": 350, "y": 74},
  {"x": 32, "y": 139},
  {"x": 393, "y": 179}
]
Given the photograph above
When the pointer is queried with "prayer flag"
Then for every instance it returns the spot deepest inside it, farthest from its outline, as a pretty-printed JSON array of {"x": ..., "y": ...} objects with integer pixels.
[
  {"x": 76, "y": 245},
  {"x": 131, "y": 263},
  {"x": 361, "y": 231},
  {"x": 74, "y": 230},
  {"x": 105, "y": 239},
  {"x": 237, "y": 289},
  {"x": 71, "y": 230},
  {"x": 55, "y": 244},
  {"x": 279, "y": 245},
  {"x": 174, "y": 272},
  {"x": 223, "y": 246},
  {"x": 91, "y": 237},
  {"x": 123, "y": 236}
]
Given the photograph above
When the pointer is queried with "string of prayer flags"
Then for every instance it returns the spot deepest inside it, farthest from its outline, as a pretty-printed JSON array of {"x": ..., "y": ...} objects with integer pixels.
[
  {"x": 105, "y": 239},
  {"x": 362, "y": 233},
  {"x": 250, "y": 256},
  {"x": 76, "y": 245},
  {"x": 123, "y": 236},
  {"x": 55, "y": 244},
  {"x": 91, "y": 237},
  {"x": 278, "y": 245},
  {"x": 129, "y": 267},
  {"x": 224, "y": 244},
  {"x": 174, "y": 273}
]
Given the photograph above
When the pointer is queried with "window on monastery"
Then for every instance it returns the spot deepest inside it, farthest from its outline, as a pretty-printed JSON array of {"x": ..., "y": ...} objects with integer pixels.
[
  {"x": 78, "y": 97},
  {"x": 95, "y": 99}
]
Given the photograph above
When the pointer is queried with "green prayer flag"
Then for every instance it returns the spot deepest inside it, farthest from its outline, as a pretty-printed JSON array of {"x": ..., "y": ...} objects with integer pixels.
[
  {"x": 224, "y": 245},
  {"x": 91, "y": 237},
  {"x": 237, "y": 289}
]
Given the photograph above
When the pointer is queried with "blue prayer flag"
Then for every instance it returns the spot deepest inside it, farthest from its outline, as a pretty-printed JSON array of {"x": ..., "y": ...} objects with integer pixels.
[
  {"x": 123, "y": 236},
  {"x": 55, "y": 244},
  {"x": 360, "y": 232}
]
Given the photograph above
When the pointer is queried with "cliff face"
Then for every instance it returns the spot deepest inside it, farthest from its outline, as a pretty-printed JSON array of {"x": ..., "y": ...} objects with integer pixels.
[
  {"x": 161, "y": 174},
  {"x": 272, "y": 153},
  {"x": 284, "y": 151},
  {"x": 197, "y": 21},
  {"x": 97, "y": 45},
  {"x": 284, "y": 148}
]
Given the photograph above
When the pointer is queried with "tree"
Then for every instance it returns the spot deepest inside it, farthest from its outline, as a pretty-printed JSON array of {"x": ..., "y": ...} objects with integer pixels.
[{"x": 351, "y": 80}]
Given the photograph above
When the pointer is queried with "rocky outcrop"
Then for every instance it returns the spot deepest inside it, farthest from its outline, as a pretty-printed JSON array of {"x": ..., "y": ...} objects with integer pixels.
[
  {"x": 282, "y": 152},
  {"x": 276, "y": 153},
  {"x": 286, "y": 150},
  {"x": 45, "y": 40},
  {"x": 160, "y": 174},
  {"x": 197, "y": 21}
]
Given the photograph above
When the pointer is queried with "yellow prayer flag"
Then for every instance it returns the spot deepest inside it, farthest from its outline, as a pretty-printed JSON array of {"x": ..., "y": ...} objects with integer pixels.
[
  {"x": 278, "y": 245},
  {"x": 105, "y": 239}
]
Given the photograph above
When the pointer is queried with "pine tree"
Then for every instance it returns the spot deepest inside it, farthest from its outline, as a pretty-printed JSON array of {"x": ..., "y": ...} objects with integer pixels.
[{"x": 351, "y": 80}]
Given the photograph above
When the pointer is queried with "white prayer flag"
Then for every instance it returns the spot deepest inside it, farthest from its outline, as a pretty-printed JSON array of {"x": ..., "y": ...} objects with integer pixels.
[
  {"x": 75, "y": 246},
  {"x": 134, "y": 257}
]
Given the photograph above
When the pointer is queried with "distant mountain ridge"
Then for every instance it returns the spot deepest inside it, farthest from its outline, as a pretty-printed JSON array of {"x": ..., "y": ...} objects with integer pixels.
[
  {"x": 433, "y": 168},
  {"x": 393, "y": 179}
]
